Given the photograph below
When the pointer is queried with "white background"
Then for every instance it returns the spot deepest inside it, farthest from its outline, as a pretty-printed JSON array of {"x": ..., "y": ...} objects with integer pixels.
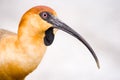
[{"x": 98, "y": 21}]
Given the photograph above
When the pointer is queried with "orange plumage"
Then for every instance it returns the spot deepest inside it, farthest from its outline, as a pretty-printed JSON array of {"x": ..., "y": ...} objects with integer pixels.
[
  {"x": 18, "y": 52},
  {"x": 21, "y": 53}
]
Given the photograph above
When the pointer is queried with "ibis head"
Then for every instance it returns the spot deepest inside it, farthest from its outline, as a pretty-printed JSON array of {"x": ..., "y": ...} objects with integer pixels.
[{"x": 44, "y": 21}]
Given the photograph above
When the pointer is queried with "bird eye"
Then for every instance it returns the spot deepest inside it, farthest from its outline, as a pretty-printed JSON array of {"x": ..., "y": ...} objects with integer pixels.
[{"x": 44, "y": 15}]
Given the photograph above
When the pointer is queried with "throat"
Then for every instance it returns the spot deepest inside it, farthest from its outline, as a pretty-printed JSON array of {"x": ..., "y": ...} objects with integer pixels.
[{"x": 49, "y": 37}]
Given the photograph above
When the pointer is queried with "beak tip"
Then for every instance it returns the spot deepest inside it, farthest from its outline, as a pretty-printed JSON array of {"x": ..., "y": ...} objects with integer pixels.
[{"x": 98, "y": 65}]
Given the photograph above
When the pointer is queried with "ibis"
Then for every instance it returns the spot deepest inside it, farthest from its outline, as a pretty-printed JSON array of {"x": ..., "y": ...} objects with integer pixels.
[{"x": 22, "y": 52}]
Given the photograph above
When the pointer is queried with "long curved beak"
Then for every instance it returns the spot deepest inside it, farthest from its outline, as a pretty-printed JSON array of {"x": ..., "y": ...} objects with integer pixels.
[{"x": 62, "y": 26}]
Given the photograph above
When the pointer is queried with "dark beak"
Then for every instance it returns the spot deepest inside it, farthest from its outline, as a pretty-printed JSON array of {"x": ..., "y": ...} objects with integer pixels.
[{"x": 62, "y": 26}]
